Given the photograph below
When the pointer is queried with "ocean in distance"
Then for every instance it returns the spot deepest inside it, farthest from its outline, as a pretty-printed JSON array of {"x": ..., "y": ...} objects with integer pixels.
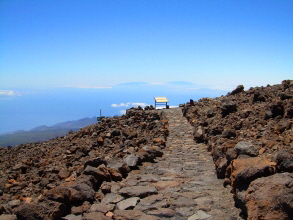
[{"x": 25, "y": 109}]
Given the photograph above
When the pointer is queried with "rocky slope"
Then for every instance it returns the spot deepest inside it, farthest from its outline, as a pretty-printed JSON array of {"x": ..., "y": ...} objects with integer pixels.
[
  {"x": 51, "y": 179},
  {"x": 250, "y": 136}
]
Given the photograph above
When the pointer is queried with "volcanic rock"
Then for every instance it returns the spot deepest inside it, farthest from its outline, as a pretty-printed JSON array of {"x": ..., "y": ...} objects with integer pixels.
[
  {"x": 270, "y": 197},
  {"x": 129, "y": 203},
  {"x": 239, "y": 89},
  {"x": 104, "y": 208},
  {"x": 253, "y": 123},
  {"x": 246, "y": 148},
  {"x": 138, "y": 191},
  {"x": 284, "y": 160},
  {"x": 46, "y": 209},
  {"x": 128, "y": 214},
  {"x": 132, "y": 160},
  {"x": 112, "y": 198}
]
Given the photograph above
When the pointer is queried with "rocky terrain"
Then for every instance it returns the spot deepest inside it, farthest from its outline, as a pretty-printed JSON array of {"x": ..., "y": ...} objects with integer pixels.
[
  {"x": 250, "y": 137},
  {"x": 193, "y": 162},
  {"x": 50, "y": 179}
]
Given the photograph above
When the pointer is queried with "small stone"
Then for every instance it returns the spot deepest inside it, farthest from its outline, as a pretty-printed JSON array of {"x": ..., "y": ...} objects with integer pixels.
[
  {"x": 104, "y": 208},
  {"x": 199, "y": 215},
  {"x": 138, "y": 191},
  {"x": 95, "y": 216},
  {"x": 115, "y": 174},
  {"x": 163, "y": 212},
  {"x": 112, "y": 198},
  {"x": 261, "y": 151},
  {"x": 63, "y": 174},
  {"x": 127, "y": 203},
  {"x": 14, "y": 203},
  {"x": 165, "y": 184},
  {"x": 185, "y": 211},
  {"x": 72, "y": 217},
  {"x": 149, "y": 178},
  {"x": 158, "y": 140},
  {"x": 8, "y": 217},
  {"x": 100, "y": 173},
  {"x": 128, "y": 214},
  {"x": 110, "y": 214},
  {"x": 132, "y": 160}
]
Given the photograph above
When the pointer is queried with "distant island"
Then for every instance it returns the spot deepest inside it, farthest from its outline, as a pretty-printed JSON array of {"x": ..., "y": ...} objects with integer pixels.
[{"x": 43, "y": 132}]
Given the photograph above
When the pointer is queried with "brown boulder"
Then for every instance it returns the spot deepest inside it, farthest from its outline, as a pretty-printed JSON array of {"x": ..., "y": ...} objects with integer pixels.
[
  {"x": 221, "y": 166},
  {"x": 239, "y": 89},
  {"x": 115, "y": 174},
  {"x": 119, "y": 165},
  {"x": 270, "y": 197},
  {"x": 95, "y": 162},
  {"x": 100, "y": 173},
  {"x": 81, "y": 192},
  {"x": 228, "y": 107},
  {"x": 59, "y": 194},
  {"x": 245, "y": 170},
  {"x": 63, "y": 174},
  {"x": 46, "y": 209},
  {"x": 284, "y": 160}
]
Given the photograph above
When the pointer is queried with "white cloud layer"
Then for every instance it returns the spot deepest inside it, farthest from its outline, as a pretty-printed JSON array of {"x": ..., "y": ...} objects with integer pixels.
[
  {"x": 9, "y": 93},
  {"x": 156, "y": 83},
  {"x": 129, "y": 104},
  {"x": 88, "y": 87}
]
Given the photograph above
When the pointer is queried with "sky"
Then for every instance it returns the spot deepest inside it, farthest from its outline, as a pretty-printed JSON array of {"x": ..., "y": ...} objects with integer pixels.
[
  {"x": 49, "y": 47},
  {"x": 98, "y": 43}
]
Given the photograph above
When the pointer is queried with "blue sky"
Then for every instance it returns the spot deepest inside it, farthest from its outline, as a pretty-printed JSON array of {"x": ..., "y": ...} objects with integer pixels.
[
  {"x": 65, "y": 59},
  {"x": 53, "y": 43}
]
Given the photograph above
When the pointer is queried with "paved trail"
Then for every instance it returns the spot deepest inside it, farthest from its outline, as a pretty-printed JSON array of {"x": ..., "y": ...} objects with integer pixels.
[{"x": 185, "y": 178}]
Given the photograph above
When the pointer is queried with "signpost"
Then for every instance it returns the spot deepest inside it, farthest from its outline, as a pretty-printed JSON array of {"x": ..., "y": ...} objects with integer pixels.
[{"x": 101, "y": 117}]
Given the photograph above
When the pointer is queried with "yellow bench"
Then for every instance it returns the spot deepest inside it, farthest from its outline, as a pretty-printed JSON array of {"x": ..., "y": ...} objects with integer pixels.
[{"x": 161, "y": 100}]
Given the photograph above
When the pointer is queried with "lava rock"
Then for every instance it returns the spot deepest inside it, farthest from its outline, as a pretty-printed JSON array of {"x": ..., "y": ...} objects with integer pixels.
[
  {"x": 45, "y": 209},
  {"x": 246, "y": 148},
  {"x": 132, "y": 160},
  {"x": 239, "y": 89},
  {"x": 126, "y": 204},
  {"x": 284, "y": 160},
  {"x": 228, "y": 107},
  {"x": 138, "y": 191},
  {"x": 270, "y": 197}
]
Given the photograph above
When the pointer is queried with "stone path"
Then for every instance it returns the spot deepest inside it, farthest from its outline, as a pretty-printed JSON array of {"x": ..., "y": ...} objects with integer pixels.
[{"x": 187, "y": 187}]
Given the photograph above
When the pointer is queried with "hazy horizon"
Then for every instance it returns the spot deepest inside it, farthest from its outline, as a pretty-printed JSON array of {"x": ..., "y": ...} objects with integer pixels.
[{"x": 27, "y": 108}]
